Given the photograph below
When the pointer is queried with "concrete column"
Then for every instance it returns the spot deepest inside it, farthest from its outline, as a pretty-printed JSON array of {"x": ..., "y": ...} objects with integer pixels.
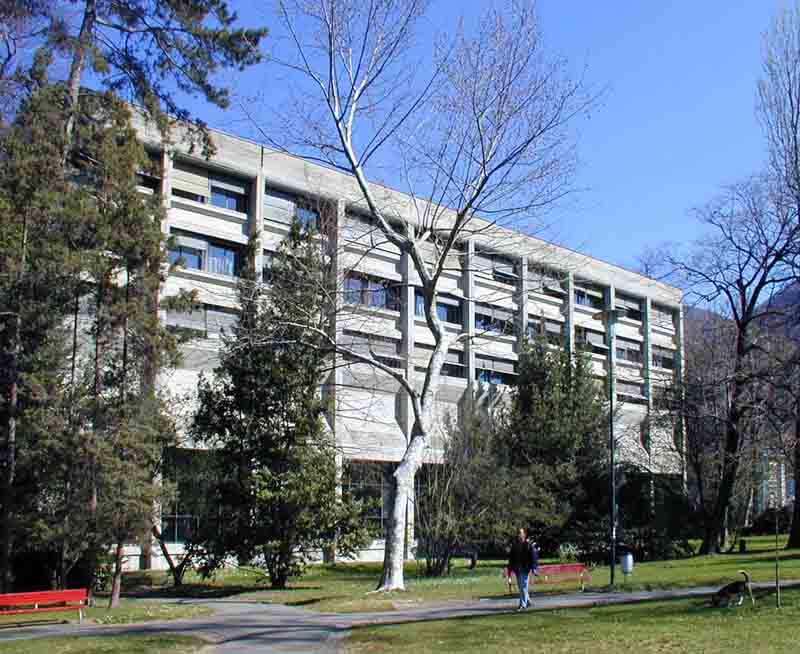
[
  {"x": 647, "y": 368},
  {"x": 569, "y": 314},
  {"x": 679, "y": 379},
  {"x": 522, "y": 302},
  {"x": 256, "y": 222},
  {"x": 612, "y": 346},
  {"x": 468, "y": 314}
]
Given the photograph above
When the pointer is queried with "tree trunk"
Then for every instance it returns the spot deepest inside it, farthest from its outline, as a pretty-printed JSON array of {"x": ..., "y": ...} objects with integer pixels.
[
  {"x": 76, "y": 71},
  {"x": 403, "y": 487},
  {"x": 794, "y": 534},
  {"x": 10, "y": 463},
  {"x": 116, "y": 584},
  {"x": 715, "y": 531}
]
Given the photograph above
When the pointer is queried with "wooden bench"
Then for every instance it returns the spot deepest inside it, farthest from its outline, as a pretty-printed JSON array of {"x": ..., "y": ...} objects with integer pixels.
[
  {"x": 48, "y": 600},
  {"x": 561, "y": 572}
]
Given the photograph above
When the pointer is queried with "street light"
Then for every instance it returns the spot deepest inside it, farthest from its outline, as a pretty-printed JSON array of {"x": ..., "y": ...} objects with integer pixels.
[{"x": 610, "y": 316}]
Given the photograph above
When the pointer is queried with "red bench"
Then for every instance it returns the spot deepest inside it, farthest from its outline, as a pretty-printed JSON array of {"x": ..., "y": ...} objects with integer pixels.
[
  {"x": 558, "y": 573},
  {"x": 48, "y": 600}
]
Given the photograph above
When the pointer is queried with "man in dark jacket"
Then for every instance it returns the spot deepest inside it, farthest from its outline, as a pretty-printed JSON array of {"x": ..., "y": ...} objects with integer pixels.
[{"x": 522, "y": 560}]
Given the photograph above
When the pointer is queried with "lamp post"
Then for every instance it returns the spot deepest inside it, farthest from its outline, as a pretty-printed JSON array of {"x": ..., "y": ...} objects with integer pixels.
[{"x": 610, "y": 316}]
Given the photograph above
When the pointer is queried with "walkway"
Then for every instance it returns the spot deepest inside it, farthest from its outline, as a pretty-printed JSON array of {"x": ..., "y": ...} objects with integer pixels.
[{"x": 249, "y": 627}]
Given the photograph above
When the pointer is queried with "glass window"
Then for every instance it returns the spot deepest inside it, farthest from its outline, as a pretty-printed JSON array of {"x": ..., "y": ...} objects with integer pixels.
[
  {"x": 186, "y": 195},
  {"x": 190, "y": 257},
  {"x": 586, "y": 299},
  {"x": 308, "y": 218},
  {"x": 222, "y": 260},
  {"x": 449, "y": 311},
  {"x": 226, "y": 199}
]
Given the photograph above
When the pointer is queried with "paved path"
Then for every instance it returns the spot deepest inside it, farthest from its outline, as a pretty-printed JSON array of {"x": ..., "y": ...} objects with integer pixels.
[{"x": 250, "y": 627}]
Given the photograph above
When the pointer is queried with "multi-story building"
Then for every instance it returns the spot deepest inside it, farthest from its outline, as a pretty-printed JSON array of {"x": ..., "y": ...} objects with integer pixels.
[{"x": 500, "y": 286}]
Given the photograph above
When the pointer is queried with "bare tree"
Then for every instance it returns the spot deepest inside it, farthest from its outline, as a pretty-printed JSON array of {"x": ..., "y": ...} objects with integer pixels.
[
  {"x": 484, "y": 141},
  {"x": 746, "y": 258}
]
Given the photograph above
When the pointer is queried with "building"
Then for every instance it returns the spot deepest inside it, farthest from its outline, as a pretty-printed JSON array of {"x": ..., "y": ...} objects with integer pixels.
[{"x": 502, "y": 285}]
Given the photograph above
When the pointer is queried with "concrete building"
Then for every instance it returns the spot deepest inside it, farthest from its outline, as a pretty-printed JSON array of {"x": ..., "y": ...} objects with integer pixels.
[{"x": 502, "y": 285}]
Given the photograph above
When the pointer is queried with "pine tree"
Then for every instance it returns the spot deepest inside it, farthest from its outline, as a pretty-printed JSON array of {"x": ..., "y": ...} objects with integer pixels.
[
  {"x": 555, "y": 429},
  {"x": 264, "y": 415}
]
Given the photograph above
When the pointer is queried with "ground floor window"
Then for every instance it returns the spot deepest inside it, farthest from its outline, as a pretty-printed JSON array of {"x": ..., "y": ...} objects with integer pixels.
[
  {"x": 370, "y": 482},
  {"x": 187, "y": 480}
]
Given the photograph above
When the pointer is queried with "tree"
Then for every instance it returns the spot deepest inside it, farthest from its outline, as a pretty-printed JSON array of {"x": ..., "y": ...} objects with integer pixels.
[
  {"x": 494, "y": 147},
  {"x": 147, "y": 50},
  {"x": 555, "y": 432},
  {"x": 263, "y": 414},
  {"x": 41, "y": 223},
  {"x": 779, "y": 112},
  {"x": 747, "y": 256}
]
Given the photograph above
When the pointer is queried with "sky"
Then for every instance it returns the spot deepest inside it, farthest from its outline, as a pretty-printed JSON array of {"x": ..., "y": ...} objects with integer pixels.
[{"x": 676, "y": 120}]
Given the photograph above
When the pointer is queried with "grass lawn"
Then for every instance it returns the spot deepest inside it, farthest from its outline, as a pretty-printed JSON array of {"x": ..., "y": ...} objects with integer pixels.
[
  {"x": 119, "y": 644},
  {"x": 689, "y": 626},
  {"x": 345, "y": 587},
  {"x": 128, "y": 612}
]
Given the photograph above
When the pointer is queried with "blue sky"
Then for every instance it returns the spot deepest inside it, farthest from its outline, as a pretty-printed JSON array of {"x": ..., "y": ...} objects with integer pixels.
[{"x": 677, "y": 119}]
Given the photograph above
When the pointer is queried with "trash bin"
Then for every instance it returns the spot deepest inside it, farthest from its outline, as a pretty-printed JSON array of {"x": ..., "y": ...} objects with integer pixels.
[
  {"x": 627, "y": 563},
  {"x": 742, "y": 546}
]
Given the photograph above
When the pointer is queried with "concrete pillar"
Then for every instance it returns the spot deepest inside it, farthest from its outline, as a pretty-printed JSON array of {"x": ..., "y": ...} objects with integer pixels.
[
  {"x": 256, "y": 222},
  {"x": 522, "y": 302},
  {"x": 569, "y": 314},
  {"x": 468, "y": 314}
]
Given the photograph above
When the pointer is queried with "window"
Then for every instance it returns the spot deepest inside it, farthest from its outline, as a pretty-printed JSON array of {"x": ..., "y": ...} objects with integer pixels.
[
  {"x": 191, "y": 473},
  {"x": 368, "y": 481},
  {"x": 197, "y": 252},
  {"x": 663, "y": 357},
  {"x": 630, "y": 305},
  {"x": 372, "y": 292},
  {"x": 500, "y": 268},
  {"x": 629, "y": 390},
  {"x": 628, "y": 350},
  {"x": 589, "y": 296},
  {"x": 590, "y": 340},
  {"x": 149, "y": 176},
  {"x": 386, "y": 350},
  {"x": 222, "y": 260},
  {"x": 187, "y": 255},
  {"x": 308, "y": 218},
  {"x": 186, "y": 195},
  {"x": 448, "y": 308},
  {"x": 229, "y": 192},
  {"x": 285, "y": 207},
  {"x": 205, "y": 321},
  {"x": 495, "y": 371},
  {"x": 553, "y": 331},
  {"x": 546, "y": 280},
  {"x": 453, "y": 365},
  {"x": 227, "y": 200},
  {"x": 662, "y": 316},
  {"x": 494, "y": 319}
]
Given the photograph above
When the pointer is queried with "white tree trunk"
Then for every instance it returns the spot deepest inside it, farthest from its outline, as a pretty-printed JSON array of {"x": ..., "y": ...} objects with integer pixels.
[{"x": 403, "y": 488}]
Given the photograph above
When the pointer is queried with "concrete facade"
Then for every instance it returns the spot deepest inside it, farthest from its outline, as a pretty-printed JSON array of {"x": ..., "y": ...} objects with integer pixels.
[{"x": 500, "y": 285}]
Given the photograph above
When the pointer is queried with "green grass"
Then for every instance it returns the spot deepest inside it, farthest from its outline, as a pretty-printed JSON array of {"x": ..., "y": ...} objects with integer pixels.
[
  {"x": 119, "y": 644},
  {"x": 688, "y": 626},
  {"x": 128, "y": 612},
  {"x": 345, "y": 587}
]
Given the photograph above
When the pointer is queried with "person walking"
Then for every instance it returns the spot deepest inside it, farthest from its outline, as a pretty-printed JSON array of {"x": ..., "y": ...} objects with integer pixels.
[{"x": 521, "y": 561}]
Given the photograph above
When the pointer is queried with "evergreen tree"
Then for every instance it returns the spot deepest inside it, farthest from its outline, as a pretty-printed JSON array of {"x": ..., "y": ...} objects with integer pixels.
[
  {"x": 41, "y": 218},
  {"x": 555, "y": 429},
  {"x": 264, "y": 415}
]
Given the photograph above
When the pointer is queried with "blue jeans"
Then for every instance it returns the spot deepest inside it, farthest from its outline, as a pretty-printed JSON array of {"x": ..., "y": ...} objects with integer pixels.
[{"x": 522, "y": 584}]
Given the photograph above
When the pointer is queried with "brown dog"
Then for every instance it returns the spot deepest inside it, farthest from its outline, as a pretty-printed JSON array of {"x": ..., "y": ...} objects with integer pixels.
[{"x": 723, "y": 596}]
